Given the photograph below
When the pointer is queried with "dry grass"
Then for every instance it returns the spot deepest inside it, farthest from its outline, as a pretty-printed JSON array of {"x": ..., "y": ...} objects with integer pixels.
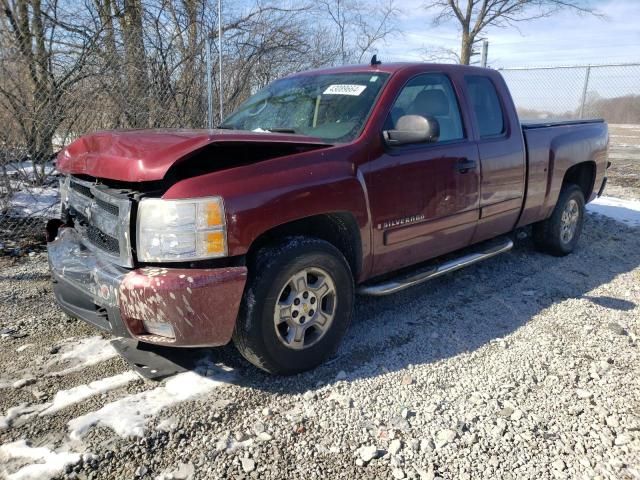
[{"x": 624, "y": 154}]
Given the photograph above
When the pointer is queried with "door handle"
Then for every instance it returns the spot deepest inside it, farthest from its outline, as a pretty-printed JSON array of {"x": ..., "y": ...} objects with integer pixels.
[{"x": 465, "y": 165}]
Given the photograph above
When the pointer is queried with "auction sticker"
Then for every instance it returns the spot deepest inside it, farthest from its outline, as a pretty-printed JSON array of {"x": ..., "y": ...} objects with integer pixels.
[{"x": 354, "y": 90}]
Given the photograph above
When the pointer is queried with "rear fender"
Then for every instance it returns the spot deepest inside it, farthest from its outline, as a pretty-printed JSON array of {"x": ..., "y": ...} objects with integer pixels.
[{"x": 587, "y": 144}]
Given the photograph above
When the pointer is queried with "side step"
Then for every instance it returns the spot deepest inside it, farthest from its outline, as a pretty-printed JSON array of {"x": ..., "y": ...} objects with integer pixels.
[{"x": 410, "y": 279}]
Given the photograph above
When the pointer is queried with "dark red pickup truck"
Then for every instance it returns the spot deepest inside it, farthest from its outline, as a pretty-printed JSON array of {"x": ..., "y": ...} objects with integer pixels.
[{"x": 324, "y": 184}]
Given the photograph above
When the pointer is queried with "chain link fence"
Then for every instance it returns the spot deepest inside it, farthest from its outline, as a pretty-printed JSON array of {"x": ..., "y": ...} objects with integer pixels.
[
  {"x": 611, "y": 92},
  {"x": 175, "y": 91},
  {"x": 110, "y": 90},
  {"x": 112, "y": 95}
]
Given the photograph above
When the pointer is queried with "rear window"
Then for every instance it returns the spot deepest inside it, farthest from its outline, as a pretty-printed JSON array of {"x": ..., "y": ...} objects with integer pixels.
[{"x": 486, "y": 106}]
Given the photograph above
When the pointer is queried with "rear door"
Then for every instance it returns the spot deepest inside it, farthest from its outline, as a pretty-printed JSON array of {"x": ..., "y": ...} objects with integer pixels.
[
  {"x": 502, "y": 155},
  {"x": 424, "y": 197}
]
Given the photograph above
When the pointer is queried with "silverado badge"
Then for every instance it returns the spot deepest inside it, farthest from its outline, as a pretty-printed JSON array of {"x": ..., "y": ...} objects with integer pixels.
[{"x": 400, "y": 221}]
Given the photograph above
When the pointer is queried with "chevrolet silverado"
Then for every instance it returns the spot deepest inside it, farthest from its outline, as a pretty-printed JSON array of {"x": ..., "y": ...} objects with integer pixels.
[{"x": 360, "y": 179}]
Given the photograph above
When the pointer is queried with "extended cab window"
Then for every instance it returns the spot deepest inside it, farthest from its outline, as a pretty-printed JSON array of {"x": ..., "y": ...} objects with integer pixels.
[
  {"x": 486, "y": 106},
  {"x": 429, "y": 95}
]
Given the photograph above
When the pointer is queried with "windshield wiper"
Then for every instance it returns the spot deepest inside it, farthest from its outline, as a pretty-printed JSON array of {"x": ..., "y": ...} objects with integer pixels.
[
  {"x": 224, "y": 126},
  {"x": 282, "y": 130}
]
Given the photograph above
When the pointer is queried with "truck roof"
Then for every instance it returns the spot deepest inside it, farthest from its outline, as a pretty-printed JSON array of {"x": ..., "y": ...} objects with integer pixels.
[{"x": 389, "y": 68}]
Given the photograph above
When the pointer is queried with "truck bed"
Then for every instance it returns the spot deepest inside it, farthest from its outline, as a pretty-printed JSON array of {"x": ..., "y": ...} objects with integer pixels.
[{"x": 552, "y": 148}]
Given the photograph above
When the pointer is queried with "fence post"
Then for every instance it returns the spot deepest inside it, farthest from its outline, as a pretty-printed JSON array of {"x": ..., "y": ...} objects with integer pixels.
[
  {"x": 485, "y": 52},
  {"x": 209, "y": 86},
  {"x": 584, "y": 91}
]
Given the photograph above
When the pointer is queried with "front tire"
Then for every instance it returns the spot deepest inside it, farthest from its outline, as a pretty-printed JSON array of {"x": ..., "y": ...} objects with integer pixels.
[
  {"x": 296, "y": 307},
  {"x": 559, "y": 234}
]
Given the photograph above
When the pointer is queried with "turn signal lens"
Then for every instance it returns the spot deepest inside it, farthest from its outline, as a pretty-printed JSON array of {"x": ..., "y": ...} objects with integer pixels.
[
  {"x": 210, "y": 214},
  {"x": 215, "y": 243}
]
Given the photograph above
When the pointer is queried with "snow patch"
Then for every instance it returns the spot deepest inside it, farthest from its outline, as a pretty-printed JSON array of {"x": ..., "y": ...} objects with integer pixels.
[
  {"x": 28, "y": 170},
  {"x": 34, "y": 202},
  {"x": 23, "y": 410},
  {"x": 65, "y": 398},
  {"x": 48, "y": 463},
  {"x": 128, "y": 416},
  {"x": 625, "y": 211},
  {"x": 78, "y": 354}
]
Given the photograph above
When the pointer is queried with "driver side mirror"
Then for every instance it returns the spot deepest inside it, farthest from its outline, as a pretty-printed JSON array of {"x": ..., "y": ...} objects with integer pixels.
[{"x": 413, "y": 129}]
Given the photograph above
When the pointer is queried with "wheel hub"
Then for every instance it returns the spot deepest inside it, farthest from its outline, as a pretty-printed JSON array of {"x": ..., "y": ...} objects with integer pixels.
[
  {"x": 305, "y": 308},
  {"x": 569, "y": 221}
]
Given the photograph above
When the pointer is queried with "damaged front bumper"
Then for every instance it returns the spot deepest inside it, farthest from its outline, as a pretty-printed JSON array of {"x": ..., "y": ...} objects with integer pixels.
[{"x": 168, "y": 306}]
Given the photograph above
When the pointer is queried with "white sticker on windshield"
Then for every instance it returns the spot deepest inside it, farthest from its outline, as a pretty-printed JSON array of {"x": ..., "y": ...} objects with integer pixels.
[{"x": 354, "y": 90}]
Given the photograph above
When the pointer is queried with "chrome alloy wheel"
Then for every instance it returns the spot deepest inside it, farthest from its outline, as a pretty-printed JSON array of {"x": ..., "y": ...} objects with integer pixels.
[
  {"x": 569, "y": 221},
  {"x": 305, "y": 308}
]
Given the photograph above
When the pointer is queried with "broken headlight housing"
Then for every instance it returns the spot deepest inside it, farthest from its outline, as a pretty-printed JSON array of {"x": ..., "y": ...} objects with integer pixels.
[
  {"x": 181, "y": 230},
  {"x": 64, "y": 193}
]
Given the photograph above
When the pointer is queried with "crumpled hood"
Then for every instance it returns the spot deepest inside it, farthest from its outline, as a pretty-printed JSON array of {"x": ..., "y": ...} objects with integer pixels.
[{"x": 147, "y": 155}]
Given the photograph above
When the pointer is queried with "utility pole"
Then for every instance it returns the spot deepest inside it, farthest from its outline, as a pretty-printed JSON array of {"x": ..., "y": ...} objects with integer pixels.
[{"x": 485, "y": 53}]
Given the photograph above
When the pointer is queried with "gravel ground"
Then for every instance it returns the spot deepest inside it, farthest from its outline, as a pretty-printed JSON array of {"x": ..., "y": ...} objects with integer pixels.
[{"x": 524, "y": 366}]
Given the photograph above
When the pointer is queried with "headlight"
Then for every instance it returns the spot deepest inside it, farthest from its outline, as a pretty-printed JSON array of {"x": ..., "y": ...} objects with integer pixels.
[{"x": 179, "y": 230}]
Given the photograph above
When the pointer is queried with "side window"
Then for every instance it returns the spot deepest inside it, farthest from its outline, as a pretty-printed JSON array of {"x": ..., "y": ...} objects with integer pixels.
[
  {"x": 486, "y": 106},
  {"x": 429, "y": 95}
]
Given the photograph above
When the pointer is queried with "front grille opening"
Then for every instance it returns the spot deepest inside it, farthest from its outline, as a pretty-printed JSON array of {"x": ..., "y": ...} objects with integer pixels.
[
  {"x": 82, "y": 189},
  {"x": 94, "y": 235},
  {"x": 107, "y": 207},
  {"x": 97, "y": 204},
  {"x": 102, "y": 240}
]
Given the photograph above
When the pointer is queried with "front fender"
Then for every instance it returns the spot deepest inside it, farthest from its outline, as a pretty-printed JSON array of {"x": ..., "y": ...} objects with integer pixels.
[{"x": 265, "y": 195}]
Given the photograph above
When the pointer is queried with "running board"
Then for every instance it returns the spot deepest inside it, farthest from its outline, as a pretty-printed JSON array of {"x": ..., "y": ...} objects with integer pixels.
[{"x": 407, "y": 280}]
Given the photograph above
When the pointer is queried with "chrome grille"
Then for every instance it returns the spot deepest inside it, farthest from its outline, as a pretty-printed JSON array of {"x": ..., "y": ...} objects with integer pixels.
[{"x": 102, "y": 217}]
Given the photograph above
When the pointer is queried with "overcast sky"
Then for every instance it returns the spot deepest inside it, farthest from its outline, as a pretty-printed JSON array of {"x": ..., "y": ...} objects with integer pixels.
[{"x": 565, "y": 39}]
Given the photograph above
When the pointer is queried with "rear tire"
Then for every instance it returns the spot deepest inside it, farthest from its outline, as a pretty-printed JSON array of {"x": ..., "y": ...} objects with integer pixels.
[
  {"x": 559, "y": 234},
  {"x": 296, "y": 307}
]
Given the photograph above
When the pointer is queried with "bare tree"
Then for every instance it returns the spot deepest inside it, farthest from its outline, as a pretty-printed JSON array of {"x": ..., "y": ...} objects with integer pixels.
[
  {"x": 439, "y": 54},
  {"x": 474, "y": 16},
  {"x": 47, "y": 50},
  {"x": 359, "y": 26},
  {"x": 67, "y": 68},
  {"x": 130, "y": 17}
]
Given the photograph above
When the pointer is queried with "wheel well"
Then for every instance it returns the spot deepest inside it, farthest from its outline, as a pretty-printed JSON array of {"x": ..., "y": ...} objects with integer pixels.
[
  {"x": 584, "y": 175},
  {"x": 339, "y": 229}
]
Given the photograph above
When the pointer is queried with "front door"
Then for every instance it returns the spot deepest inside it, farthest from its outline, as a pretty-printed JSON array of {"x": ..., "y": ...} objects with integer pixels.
[{"x": 424, "y": 197}]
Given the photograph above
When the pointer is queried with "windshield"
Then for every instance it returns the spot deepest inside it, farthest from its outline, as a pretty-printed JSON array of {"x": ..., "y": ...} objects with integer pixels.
[{"x": 333, "y": 107}]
